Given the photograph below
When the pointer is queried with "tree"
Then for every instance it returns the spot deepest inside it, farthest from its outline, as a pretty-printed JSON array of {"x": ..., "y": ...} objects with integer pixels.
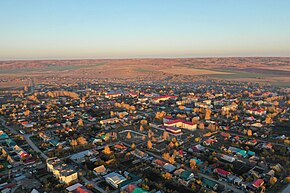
[
  {"x": 287, "y": 179},
  {"x": 129, "y": 135},
  {"x": 273, "y": 180},
  {"x": 268, "y": 120},
  {"x": 167, "y": 176},
  {"x": 165, "y": 136},
  {"x": 59, "y": 148},
  {"x": 207, "y": 114},
  {"x": 211, "y": 127},
  {"x": 81, "y": 123},
  {"x": 192, "y": 164},
  {"x": 171, "y": 159},
  {"x": 176, "y": 144},
  {"x": 201, "y": 125},
  {"x": 149, "y": 144},
  {"x": 26, "y": 113},
  {"x": 165, "y": 156},
  {"x": 114, "y": 136},
  {"x": 82, "y": 141},
  {"x": 197, "y": 139},
  {"x": 107, "y": 150},
  {"x": 141, "y": 128},
  {"x": 160, "y": 115},
  {"x": 150, "y": 134},
  {"x": 143, "y": 122},
  {"x": 73, "y": 143},
  {"x": 250, "y": 133},
  {"x": 133, "y": 146},
  {"x": 171, "y": 145}
]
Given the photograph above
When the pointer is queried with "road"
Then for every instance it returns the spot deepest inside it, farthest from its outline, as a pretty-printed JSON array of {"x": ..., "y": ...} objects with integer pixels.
[
  {"x": 26, "y": 137},
  {"x": 34, "y": 147},
  {"x": 287, "y": 189}
]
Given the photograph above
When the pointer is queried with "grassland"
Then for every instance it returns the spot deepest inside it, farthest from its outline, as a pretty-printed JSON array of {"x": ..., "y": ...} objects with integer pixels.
[{"x": 49, "y": 67}]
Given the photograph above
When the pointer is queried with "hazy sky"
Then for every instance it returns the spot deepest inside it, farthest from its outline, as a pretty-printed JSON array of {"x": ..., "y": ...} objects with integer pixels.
[{"x": 57, "y": 29}]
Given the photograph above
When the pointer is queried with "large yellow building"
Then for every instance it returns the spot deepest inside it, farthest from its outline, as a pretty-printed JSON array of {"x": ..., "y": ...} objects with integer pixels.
[{"x": 63, "y": 172}]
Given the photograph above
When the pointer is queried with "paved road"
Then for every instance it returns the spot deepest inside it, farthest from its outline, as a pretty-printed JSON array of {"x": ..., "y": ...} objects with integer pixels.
[
  {"x": 287, "y": 189},
  {"x": 26, "y": 137},
  {"x": 34, "y": 147}
]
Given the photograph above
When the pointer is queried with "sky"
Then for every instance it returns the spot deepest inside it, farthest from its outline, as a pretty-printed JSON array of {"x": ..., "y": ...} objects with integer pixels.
[{"x": 74, "y": 29}]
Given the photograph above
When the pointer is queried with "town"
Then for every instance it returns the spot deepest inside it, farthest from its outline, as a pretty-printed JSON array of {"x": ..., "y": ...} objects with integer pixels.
[{"x": 154, "y": 136}]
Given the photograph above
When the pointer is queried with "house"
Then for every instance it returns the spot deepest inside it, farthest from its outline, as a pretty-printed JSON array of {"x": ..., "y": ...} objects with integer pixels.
[
  {"x": 258, "y": 112},
  {"x": 73, "y": 187},
  {"x": 169, "y": 167},
  {"x": 133, "y": 188},
  {"x": 267, "y": 146},
  {"x": 173, "y": 130},
  {"x": 167, "y": 118},
  {"x": 227, "y": 158},
  {"x": 100, "y": 170},
  {"x": 139, "y": 154},
  {"x": 158, "y": 162},
  {"x": 83, "y": 156},
  {"x": 226, "y": 135},
  {"x": 258, "y": 183},
  {"x": 197, "y": 148},
  {"x": 209, "y": 184},
  {"x": 203, "y": 105},
  {"x": 221, "y": 172},
  {"x": 252, "y": 142},
  {"x": 119, "y": 147},
  {"x": 3, "y": 135},
  {"x": 184, "y": 174},
  {"x": 82, "y": 190},
  {"x": 43, "y": 136},
  {"x": 209, "y": 141},
  {"x": 114, "y": 179},
  {"x": 197, "y": 161},
  {"x": 238, "y": 181}
]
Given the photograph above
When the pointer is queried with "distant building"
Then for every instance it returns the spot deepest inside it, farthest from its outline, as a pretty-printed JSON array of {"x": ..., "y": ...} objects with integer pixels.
[
  {"x": 231, "y": 107},
  {"x": 163, "y": 98},
  {"x": 181, "y": 124},
  {"x": 113, "y": 94},
  {"x": 110, "y": 121}
]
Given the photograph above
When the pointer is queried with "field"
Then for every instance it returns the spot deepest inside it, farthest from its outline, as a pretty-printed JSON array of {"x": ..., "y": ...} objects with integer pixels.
[
  {"x": 270, "y": 70},
  {"x": 193, "y": 71}
]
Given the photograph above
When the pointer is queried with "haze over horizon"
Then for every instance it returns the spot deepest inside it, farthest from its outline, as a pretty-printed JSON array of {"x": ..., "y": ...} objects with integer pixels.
[{"x": 133, "y": 29}]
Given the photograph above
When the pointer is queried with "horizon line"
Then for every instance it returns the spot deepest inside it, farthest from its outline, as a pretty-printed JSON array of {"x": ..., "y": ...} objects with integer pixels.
[{"x": 134, "y": 58}]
